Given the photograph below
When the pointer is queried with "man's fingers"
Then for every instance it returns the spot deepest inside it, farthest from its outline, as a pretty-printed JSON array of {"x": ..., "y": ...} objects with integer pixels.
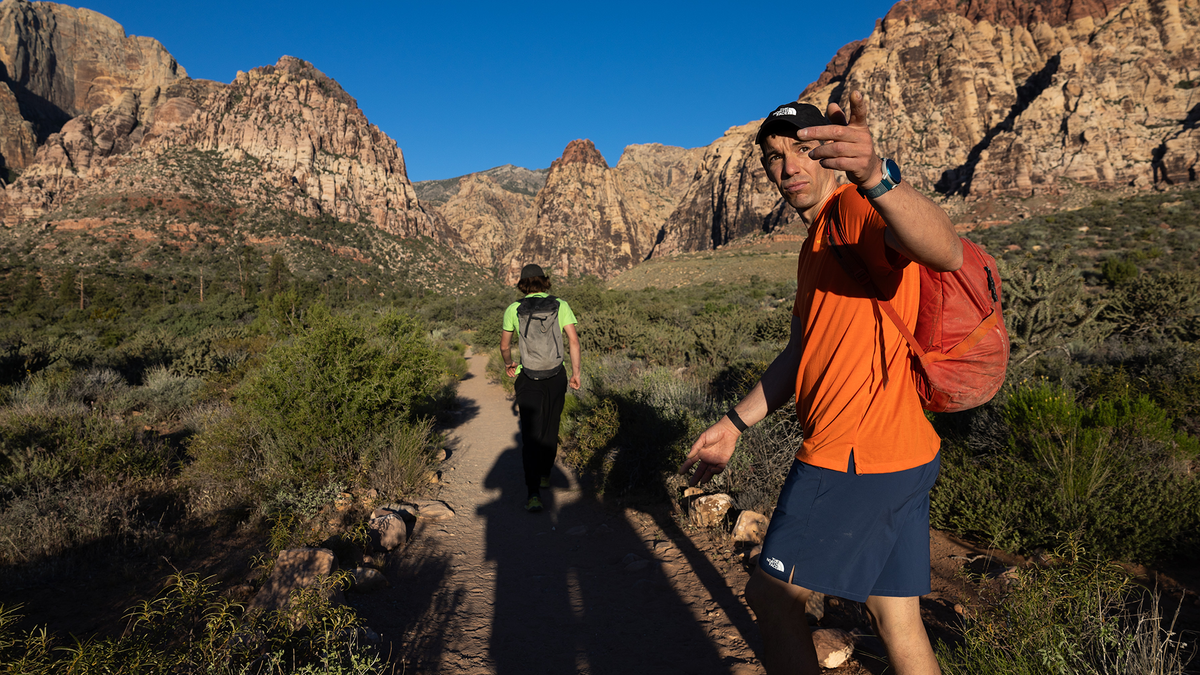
[
  {"x": 859, "y": 109},
  {"x": 835, "y": 114}
]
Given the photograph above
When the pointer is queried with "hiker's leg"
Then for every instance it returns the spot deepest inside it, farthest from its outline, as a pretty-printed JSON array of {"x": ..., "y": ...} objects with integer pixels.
[
  {"x": 779, "y": 609},
  {"x": 898, "y": 622},
  {"x": 556, "y": 394},
  {"x": 531, "y": 404}
]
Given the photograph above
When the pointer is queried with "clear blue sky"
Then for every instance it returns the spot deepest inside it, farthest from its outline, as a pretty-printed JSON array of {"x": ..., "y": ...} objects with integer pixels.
[{"x": 466, "y": 86}]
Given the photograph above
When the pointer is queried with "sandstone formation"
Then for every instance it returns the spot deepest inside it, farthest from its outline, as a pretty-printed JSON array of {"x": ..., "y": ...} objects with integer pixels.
[
  {"x": 1013, "y": 98},
  {"x": 488, "y": 218},
  {"x": 283, "y": 136},
  {"x": 728, "y": 198},
  {"x": 593, "y": 219},
  {"x": 990, "y": 98},
  {"x": 61, "y": 62}
]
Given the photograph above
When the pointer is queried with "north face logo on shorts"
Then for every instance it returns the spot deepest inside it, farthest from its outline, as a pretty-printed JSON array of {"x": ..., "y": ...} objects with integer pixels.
[{"x": 775, "y": 564}]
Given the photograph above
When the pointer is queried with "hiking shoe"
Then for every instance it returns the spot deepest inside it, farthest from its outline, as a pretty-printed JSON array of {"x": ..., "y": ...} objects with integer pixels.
[
  {"x": 545, "y": 482},
  {"x": 534, "y": 504}
]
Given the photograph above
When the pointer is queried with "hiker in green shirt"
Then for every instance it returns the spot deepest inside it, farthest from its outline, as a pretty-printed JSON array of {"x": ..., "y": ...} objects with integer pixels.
[{"x": 540, "y": 320}]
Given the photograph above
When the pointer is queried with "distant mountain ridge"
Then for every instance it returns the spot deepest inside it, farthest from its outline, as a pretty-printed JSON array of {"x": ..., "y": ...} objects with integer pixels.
[{"x": 976, "y": 100}]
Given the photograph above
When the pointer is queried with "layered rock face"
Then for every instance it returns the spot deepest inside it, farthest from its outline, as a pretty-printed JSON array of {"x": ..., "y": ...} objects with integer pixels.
[
  {"x": 729, "y": 197},
  {"x": 593, "y": 219},
  {"x": 991, "y": 98},
  {"x": 60, "y": 62},
  {"x": 316, "y": 152},
  {"x": 490, "y": 219},
  {"x": 283, "y": 136},
  {"x": 1011, "y": 98}
]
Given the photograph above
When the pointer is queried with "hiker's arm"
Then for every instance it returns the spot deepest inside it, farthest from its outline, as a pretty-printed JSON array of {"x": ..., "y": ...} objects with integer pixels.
[
  {"x": 576, "y": 358},
  {"x": 917, "y": 228},
  {"x": 510, "y": 366},
  {"x": 711, "y": 452}
]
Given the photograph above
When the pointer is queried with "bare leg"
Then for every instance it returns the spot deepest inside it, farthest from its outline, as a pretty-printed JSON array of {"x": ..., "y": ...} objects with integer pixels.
[
  {"x": 779, "y": 608},
  {"x": 898, "y": 621}
]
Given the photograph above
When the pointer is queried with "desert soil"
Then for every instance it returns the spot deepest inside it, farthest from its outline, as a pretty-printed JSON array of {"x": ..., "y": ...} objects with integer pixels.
[{"x": 584, "y": 586}]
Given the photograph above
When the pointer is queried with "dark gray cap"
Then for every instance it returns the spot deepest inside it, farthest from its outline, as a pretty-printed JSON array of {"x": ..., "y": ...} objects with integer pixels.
[
  {"x": 531, "y": 271},
  {"x": 790, "y": 117}
]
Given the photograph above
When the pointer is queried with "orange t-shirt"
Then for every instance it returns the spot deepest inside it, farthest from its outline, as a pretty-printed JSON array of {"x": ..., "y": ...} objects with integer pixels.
[{"x": 840, "y": 395}]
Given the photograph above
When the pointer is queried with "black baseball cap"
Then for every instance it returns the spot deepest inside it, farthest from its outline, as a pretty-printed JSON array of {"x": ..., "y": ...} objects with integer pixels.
[
  {"x": 532, "y": 271},
  {"x": 790, "y": 117}
]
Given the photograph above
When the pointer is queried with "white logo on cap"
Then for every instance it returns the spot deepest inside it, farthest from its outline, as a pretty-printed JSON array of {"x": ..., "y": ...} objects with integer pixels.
[
  {"x": 775, "y": 564},
  {"x": 784, "y": 111}
]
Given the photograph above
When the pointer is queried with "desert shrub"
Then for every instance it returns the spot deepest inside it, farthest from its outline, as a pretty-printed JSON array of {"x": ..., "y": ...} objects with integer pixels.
[
  {"x": 1046, "y": 307},
  {"x": 1114, "y": 474},
  {"x": 191, "y": 628},
  {"x": 759, "y": 466},
  {"x": 1116, "y": 272},
  {"x": 630, "y": 438},
  {"x": 1167, "y": 372},
  {"x": 51, "y": 519},
  {"x": 334, "y": 403},
  {"x": 402, "y": 460},
  {"x": 1157, "y": 306},
  {"x": 341, "y": 381},
  {"x": 1077, "y": 614},
  {"x": 163, "y": 394},
  {"x": 46, "y": 444}
]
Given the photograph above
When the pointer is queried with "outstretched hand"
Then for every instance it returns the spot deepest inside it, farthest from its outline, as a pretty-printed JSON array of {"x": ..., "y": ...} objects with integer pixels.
[
  {"x": 711, "y": 452},
  {"x": 849, "y": 147}
]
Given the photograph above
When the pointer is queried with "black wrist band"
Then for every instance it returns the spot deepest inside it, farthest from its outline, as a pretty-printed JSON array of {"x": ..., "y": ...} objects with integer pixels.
[{"x": 737, "y": 421}]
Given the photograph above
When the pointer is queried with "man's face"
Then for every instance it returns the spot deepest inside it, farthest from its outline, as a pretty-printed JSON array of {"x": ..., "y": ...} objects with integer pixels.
[{"x": 802, "y": 181}]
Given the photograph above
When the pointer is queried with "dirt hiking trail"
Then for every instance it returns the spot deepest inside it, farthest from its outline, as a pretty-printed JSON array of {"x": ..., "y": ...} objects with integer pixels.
[
  {"x": 582, "y": 587},
  {"x": 577, "y": 588}
]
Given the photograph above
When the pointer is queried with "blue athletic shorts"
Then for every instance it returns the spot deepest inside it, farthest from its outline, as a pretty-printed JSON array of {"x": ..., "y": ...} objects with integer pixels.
[{"x": 852, "y": 535}]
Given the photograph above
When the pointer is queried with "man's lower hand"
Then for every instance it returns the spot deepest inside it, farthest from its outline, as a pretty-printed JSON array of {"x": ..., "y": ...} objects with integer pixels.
[
  {"x": 510, "y": 370},
  {"x": 710, "y": 453},
  {"x": 574, "y": 382}
]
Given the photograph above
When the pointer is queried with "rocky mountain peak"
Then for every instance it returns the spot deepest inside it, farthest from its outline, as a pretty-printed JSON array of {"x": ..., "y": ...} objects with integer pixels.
[
  {"x": 580, "y": 151},
  {"x": 1007, "y": 13}
]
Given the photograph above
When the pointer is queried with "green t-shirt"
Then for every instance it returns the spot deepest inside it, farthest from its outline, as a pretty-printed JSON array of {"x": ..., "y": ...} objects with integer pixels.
[{"x": 565, "y": 316}]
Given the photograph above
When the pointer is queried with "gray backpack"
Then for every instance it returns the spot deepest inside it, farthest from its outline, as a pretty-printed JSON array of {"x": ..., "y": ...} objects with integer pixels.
[{"x": 541, "y": 339}]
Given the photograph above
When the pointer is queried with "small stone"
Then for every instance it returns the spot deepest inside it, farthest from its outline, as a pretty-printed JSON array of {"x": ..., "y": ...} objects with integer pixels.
[
  {"x": 387, "y": 533},
  {"x": 294, "y": 568},
  {"x": 692, "y": 492},
  {"x": 578, "y": 531},
  {"x": 834, "y": 646},
  {"x": 343, "y": 501},
  {"x": 367, "y": 580},
  {"x": 630, "y": 558},
  {"x": 434, "y": 510},
  {"x": 603, "y": 529},
  {"x": 709, "y": 510},
  {"x": 751, "y": 527},
  {"x": 435, "y": 477},
  {"x": 440, "y": 455},
  {"x": 637, "y": 565},
  {"x": 815, "y": 607}
]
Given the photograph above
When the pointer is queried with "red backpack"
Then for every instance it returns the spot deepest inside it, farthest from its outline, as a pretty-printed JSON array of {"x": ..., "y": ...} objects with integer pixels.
[{"x": 960, "y": 345}]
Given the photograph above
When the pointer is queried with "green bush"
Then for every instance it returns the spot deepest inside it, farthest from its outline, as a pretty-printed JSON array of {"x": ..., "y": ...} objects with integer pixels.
[
  {"x": 191, "y": 628},
  {"x": 336, "y": 384},
  {"x": 1077, "y": 614},
  {"x": 1158, "y": 306},
  {"x": 1114, "y": 474}
]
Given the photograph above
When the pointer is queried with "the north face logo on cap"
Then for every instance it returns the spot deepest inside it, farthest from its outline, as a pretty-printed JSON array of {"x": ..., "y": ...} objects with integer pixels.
[{"x": 784, "y": 111}]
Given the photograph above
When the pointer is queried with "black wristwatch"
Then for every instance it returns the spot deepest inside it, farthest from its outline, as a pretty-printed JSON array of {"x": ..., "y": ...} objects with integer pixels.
[{"x": 891, "y": 178}]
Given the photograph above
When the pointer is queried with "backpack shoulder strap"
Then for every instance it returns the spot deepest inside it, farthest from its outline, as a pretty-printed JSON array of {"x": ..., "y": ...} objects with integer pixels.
[{"x": 857, "y": 270}]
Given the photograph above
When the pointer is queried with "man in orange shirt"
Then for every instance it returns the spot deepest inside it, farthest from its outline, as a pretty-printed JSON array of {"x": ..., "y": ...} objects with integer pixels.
[{"x": 853, "y": 517}]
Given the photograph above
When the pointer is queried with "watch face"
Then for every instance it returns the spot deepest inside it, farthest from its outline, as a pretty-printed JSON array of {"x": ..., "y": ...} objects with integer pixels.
[{"x": 892, "y": 170}]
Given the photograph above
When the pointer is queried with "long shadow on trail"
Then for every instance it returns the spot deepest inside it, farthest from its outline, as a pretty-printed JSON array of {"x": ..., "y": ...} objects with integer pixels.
[{"x": 578, "y": 590}]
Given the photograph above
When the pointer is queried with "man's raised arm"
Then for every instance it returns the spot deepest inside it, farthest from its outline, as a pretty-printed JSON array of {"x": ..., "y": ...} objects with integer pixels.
[{"x": 917, "y": 228}]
